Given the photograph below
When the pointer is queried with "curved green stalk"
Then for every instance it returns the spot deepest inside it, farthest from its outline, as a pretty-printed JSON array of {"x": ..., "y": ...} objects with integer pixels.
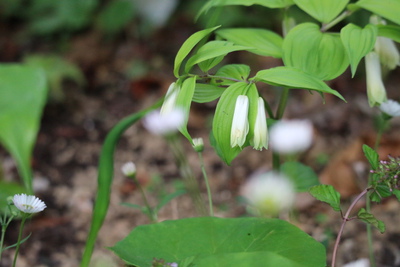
[
  {"x": 21, "y": 228},
  {"x": 105, "y": 176},
  {"x": 203, "y": 170}
]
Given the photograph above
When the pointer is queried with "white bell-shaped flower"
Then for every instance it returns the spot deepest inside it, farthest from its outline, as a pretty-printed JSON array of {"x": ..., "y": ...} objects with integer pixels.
[
  {"x": 260, "y": 139},
  {"x": 169, "y": 103},
  {"x": 240, "y": 122},
  {"x": 375, "y": 89}
]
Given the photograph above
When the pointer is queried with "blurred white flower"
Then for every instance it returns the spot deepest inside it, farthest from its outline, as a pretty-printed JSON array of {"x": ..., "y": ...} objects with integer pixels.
[
  {"x": 375, "y": 89},
  {"x": 28, "y": 204},
  {"x": 269, "y": 194},
  {"x": 155, "y": 12},
  {"x": 358, "y": 263},
  {"x": 260, "y": 138},
  {"x": 391, "y": 108},
  {"x": 387, "y": 51},
  {"x": 170, "y": 99},
  {"x": 164, "y": 124},
  {"x": 288, "y": 137},
  {"x": 129, "y": 169},
  {"x": 198, "y": 144},
  {"x": 240, "y": 121}
]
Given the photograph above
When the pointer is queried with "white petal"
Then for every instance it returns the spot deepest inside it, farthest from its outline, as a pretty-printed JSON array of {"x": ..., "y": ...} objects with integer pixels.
[{"x": 240, "y": 123}]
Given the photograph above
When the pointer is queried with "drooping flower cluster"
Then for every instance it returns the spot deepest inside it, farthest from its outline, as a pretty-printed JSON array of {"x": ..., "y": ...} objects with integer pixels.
[{"x": 240, "y": 124}]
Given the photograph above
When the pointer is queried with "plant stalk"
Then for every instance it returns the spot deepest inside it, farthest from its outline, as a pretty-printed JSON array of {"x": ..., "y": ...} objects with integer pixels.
[
  {"x": 203, "y": 170},
  {"x": 21, "y": 228}
]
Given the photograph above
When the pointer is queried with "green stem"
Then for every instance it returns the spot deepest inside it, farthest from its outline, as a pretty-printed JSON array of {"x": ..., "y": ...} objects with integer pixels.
[
  {"x": 151, "y": 213},
  {"x": 203, "y": 169},
  {"x": 187, "y": 174},
  {"x": 21, "y": 228},
  {"x": 282, "y": 103},
  {"x": 338, "y": 19}
]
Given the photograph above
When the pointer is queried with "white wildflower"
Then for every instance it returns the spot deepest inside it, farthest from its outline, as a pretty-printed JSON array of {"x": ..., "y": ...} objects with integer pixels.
[
  {"x": 291, "y": 136},
  {"x": 387, "y": 51},
  {"x": 358, "y": 263},
  {"x": 260, "y": 139},
  {"x": 375, "y": 89},
  {"x": 269, "y": 194},
  {"x": 28, "y": 204},
  {"x": 391, "y": 108},
  {"x": 129, "y": 169},
  {"x": 198, "y": 144},
  {"x": 240, "y": 122},
  {"x": 169, "y": 103},
  {"x": 164, "y": 124}
]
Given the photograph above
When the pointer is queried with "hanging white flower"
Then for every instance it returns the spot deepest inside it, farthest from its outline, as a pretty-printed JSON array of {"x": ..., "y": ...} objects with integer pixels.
[
  {"x": 169, "y": 103},
  {"x": 375, "y": 89},
  {"x": 260, "y": 139},
  {"x": 269, "y": 194},
  {"x": 28, "y": 204},
  {"x": 240, "y": 122},
  {"x": 291, "y": 136},
  {"x": 391, "y": 108},
  {"x": 164, "y": 124},
  {"x": 129, "y": 169},
  {"x": 387, "y": 51}
]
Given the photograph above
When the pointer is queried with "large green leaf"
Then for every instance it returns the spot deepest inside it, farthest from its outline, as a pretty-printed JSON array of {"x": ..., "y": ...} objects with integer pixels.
[
  {"x": 389, "y": 9},
  {"x": 23, "y": 95},
  {"x": 358, "y": 42},
  {"x": 216, "y": 242},
  {"x": 215, "y": 50},
  {"x": 294, "y": 78},
  {"x": 263, "y": 42},
  {"x": 319, "y": 54},
  {"x": 266, "y": 3},
  {"x": 187, "y": 46},
  {"x": 222, "y": 122},
  {"x": 323, "y": 11},
  {"x": 389, "y": 31}
]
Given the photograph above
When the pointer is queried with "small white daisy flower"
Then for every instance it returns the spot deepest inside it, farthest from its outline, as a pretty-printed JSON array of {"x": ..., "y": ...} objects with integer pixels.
[
  {"x": 28, "y": 204},
  {"x": 391, "y": 108},
  {"x": 358, "y": 263},
  {"x": 129, "y": 169},
  {"x": 288, "y": 137},
  {"x": 164, "y": 124}
]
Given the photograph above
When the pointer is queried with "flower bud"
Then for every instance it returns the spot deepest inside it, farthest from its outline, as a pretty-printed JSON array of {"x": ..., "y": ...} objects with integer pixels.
[
  {"x": 129, "y": 169},
  {"x": 198, "y": 144},
  {"x": 240, "y": 122},
  {"x": 170, "y": 99},
  {"x": 391, "y": 108},
  {"x": 260, "y": 138},
  {"x": 375, "y": 89}
]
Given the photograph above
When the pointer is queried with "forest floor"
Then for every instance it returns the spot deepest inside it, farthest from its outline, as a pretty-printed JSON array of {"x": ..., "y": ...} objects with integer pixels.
[{"x": 66, "y": 155}]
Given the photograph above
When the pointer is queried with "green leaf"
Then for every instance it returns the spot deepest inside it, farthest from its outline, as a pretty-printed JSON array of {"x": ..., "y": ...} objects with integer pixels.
[
  {"x": 327, "y": 194},
  {"x": 381, "y": 191},
  {"x": 366, "y": 217},
  {"x": 389, "y": 31},
  {"x": 372, "y": 156},
  {"x": 396, "y": 192},
  {"x": 222, "y": 122},
  {"x": 235, "y": 71},
  {"x": 23, "y": 94},
  {"x": 358, "y": 42},
  {"x": 389, "y": 9},
  {"x": 105, "y": 176},
  {"x": 294, "y": 78},
  {"x": 212, "y": 50},
  {"x": 166, "y": 199},
  {"x": 324, "y": 11},
  {"x": 302, "y": 176},
  {"x": 266, "y": 3},
  {"x": 188, "y": 45},
  {"x": 204, "y": 93},
  {"x": 319, "y": 54},
  {"x": 262, "y": 42},
  {"x": 8, "y": 190},
  {"x": 215, "y": 242},
  {"x": 184, "y": 100},
  {"x": 115, "y": 16}
]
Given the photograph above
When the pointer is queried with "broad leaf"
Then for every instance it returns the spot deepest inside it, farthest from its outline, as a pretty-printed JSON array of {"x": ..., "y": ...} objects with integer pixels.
[
  {"x": 266, "y": 3},
  {"x": 184, "y": 100},
  {"x": 327, "y": 194},
  {"x": 358, "y": 42},
  {"x": 204, "y": 93},
  {"x": 222, "y": 122},
  {"x": 212, "y": 50},
  {"x": 215, "y": 242},
  {"x": 262, "y": 42},
  {"x": 187, "y": 46},
  {"x": 294, "y": 78},
  {"x": 324, "y": 11},
  {"x": 372, "y": 156},
  {"x": 238, "y": 72},
  {"x": 389, "y": 31},
  {"x": 302, "y": 176},
  {"x": 319, "y": 54},
  {"x": 381, "y": 191},
  {"x": 389, "y": 9},
  {"x": 23, "y": 94},
  {"x": 370, "y": 219}
]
